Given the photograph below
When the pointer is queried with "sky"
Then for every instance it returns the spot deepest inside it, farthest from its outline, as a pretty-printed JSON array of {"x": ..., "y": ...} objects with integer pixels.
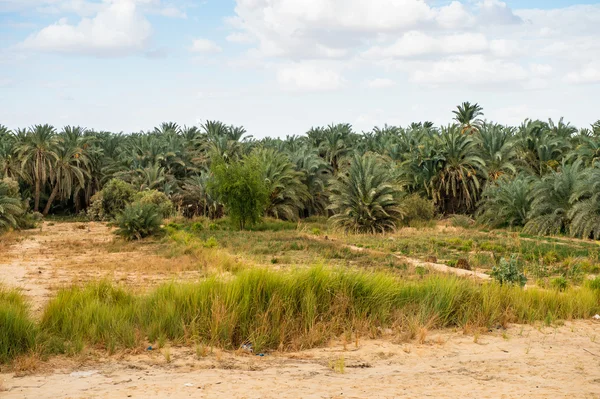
[{"x": 279, "y": 67}]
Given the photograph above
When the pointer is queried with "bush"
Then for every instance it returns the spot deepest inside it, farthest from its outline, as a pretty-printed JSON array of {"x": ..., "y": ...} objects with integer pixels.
[
  {"x": 163, "y": 203},
  {"x": 111, "y": 200},
  {"x": 17, "y": 331},
  {"x": 138, "y": 221},
  {"x": 461, "y": 221},
  {"x": 559, "y": 283},
  {"x": 417, "y": 209},
  {"x": 594, "y": 284},
  {"x": 508, "y": 272},
  {"x": 96, "y": 209}
]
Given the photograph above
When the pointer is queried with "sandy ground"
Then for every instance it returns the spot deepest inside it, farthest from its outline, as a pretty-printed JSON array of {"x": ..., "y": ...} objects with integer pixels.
[
  {"x": 520, "y": 362},
  {"x": 61, "y": 254}
]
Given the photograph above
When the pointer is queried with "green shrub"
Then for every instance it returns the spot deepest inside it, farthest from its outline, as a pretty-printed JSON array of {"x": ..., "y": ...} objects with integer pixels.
[
  {"x": 508, "y": 272},
  {"x": 138, "y": 221},
  {"x": 196, "y": 227},
  {"x": 17, "y": 331},
  {"x": 163, "y": 203},
  {"x": 417, "y": 209},
  {"x": 594, "y": 284},
  {"x": 211, "y": 243},
  {"x": 461, "y": 221},
  {"x": 559, "y": 283},
  {"x": 111, "y": 200}
]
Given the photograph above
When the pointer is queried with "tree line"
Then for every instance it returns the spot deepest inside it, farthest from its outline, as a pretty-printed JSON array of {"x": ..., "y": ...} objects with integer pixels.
[{"x": 541, "y": 176}]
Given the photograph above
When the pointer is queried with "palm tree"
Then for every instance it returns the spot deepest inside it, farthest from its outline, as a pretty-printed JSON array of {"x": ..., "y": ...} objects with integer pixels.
[
  {"x": 315, "y": 176},
  {"x": 365, "y": 199},
  {"x": 10, "y": 206},
  {"x": 551, "y": 200},
  {"x": 196, "y": 199},
  {"x": 506, "y": 202},
  {"x": 539, "y": 149},
  {"x": 467, "y": 115},
  {"x": 37, "y": 153},
  {"x": 588, "y": 150},
  {"x": 497, "y": 149},
  {"x": 287, "y": 193},
  {"x": 337, "y": 141},
  {"x": 457, "y": 185},
  {"x": 68, "y": 174},
  {"x": 585, "y": 213}
]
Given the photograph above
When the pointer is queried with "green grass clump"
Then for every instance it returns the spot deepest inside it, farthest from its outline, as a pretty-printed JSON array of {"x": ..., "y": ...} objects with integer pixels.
[
  {"x": 296, "y": 310},
  {"x": 98, "y": 314},
  {"x": 18, "y": 332}
]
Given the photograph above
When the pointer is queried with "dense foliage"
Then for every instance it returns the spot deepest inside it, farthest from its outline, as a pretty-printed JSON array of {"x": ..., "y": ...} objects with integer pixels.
[{"x": 540, "y": 175}]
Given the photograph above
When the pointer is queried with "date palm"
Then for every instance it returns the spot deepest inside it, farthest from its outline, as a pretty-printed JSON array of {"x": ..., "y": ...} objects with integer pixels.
[
  {"x": 37, "y": 154},
  {"x": 68, "y": 174},
  {"x": 585, "y": 213},
  {"x": 10, "y": 206},
  {"x": 506, "y": 202},
  {"x": 467, "y": 115},
  {"x": 457, "y": 185},
  {"x": 551, "y": 200},
  {"x": 496, "y": 146},
  {"x": 287, "y": 192},
  {"x": 365, "y": 199}
]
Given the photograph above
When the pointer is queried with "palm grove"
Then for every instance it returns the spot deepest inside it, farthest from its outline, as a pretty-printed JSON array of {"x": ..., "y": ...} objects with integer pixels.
[{"x": 539, "y": 176}]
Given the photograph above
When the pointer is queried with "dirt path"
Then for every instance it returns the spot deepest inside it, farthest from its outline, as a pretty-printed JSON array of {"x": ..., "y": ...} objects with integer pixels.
[
  {"x": 521, "y": 362},
  {"x": 417, "y": 262}
]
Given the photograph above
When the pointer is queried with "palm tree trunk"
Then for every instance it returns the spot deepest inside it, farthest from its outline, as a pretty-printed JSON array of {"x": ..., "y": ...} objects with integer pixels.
[
  {"x": 36, "y": 206},
  {"x": 50, "y": 200}
]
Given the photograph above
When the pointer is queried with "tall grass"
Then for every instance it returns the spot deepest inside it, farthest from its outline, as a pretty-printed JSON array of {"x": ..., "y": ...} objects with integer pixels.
[
  {"x": 295, "y": 310},
  {"x": 17, "y": 331}
]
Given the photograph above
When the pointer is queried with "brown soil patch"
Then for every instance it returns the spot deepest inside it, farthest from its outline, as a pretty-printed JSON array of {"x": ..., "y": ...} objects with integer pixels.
[{"x": 56, "y": 255}]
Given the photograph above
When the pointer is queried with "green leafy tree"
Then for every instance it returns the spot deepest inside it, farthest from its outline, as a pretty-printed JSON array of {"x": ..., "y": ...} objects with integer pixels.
[
  {"x": 365, "y": 199},
  {"x": 241, "y": 187}
]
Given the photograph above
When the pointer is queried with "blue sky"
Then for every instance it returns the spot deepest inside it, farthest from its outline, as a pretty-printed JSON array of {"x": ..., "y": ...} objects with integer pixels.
[{"x": 279, "y": 67}]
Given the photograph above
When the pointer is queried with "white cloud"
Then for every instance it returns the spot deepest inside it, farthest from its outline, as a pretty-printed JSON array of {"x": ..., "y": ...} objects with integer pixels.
[
  {"x": 590, "y": 73},
  {"x": 205, "y": 46},
  {"x": 469, "y": 70},
  {"x": 172, "y": 12},
  {"x": 454, "y": 15},
  {"x": 117, "y": 29},
  {"x": 416, "y": 44},
  {"x": 496, "y": 12},
  {"x": 380, "y": 83},
  {"x": 309, "y": 77},
  {"x": 239, "y": 37}
]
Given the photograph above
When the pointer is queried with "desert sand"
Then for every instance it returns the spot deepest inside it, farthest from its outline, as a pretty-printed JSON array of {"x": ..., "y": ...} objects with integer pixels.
[{"x": 520, "y": 362}]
